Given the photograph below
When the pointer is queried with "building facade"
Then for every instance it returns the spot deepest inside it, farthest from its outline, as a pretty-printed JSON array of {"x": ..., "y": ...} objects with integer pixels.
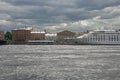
[
  {"x": 21, "y": 35},
  {"x": 61, "y": 36},
  {"x": 2, "y": 35},
  {"x": 40, "y": 38},
  {"x": 37, "y": 36},
  {"x": 66, "y": 34}
]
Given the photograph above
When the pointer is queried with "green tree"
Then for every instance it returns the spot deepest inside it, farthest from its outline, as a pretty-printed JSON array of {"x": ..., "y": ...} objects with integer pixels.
[{"x": 8, "y": 36}]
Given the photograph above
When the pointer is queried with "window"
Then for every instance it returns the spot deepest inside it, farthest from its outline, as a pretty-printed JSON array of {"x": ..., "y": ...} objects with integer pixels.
[
  {"x": 117, "y": 37},
  {"x": 109, "y": 38},
  {"x": 104, "y": 37},
  {"x": 114, "y": 37}
]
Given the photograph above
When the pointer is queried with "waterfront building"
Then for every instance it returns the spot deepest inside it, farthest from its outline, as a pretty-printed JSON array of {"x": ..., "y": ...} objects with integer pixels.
[
  {"x": 66, "y": 34},
  {"x": 63, "y": 35},
  {"x": 2, "y": 38},
  {"x": 37, "y": 35},
  {"x": 51, "y": 36},
  {"x": 98, "y": 37},
  {"x": 40, "y": 38},
  {"x": 2, "y": 35},
  {"x": 21, "y": 35}
]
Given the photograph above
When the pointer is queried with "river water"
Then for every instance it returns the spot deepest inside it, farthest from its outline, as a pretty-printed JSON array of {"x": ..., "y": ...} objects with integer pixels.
[{"x": 60, "y": 62}]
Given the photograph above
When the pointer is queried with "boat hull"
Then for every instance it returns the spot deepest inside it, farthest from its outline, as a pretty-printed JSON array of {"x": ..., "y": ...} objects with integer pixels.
[{"x": 3, "y": 42}]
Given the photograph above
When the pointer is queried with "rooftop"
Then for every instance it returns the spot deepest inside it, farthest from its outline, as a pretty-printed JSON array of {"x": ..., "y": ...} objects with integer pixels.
[
  {"x": 51, "y": 34},
  {"x": 35, "y": 32},
  {"x": 28, "y": 28}
]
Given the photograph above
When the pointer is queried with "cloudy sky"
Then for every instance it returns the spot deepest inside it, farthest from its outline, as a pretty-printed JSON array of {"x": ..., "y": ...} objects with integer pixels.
[{"x": 58, "y": 15}]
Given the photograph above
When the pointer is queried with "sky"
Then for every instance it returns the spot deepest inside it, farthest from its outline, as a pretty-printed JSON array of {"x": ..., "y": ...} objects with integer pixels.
[{"x": 58, "y": 15}]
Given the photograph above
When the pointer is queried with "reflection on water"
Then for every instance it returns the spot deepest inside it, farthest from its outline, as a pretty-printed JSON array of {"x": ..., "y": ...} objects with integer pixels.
[{"x": 59, "y": 62}]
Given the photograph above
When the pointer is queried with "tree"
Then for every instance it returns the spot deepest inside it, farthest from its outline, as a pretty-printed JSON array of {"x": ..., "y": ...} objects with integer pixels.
[{"x": 8, "y": 36}]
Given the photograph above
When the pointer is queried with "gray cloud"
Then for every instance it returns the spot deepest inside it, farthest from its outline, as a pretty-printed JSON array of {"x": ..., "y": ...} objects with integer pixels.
[
  {"x": 50, "y": 14},
  {"x": 97, "y": 4}
]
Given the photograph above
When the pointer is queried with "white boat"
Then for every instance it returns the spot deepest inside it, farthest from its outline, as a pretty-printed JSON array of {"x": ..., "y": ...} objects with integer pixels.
[{"x": 99, "y": 37}]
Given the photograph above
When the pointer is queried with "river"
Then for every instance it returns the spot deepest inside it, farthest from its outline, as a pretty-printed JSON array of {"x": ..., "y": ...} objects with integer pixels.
[{"x": 60, "y": 62}]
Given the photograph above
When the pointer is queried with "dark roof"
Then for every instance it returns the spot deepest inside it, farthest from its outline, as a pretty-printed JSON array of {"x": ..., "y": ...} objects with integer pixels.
[{"x": 66, "y": 32}]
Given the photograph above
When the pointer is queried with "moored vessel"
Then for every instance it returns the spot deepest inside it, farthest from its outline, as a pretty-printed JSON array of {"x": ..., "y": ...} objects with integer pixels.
[{"x": 2, "y": 42}]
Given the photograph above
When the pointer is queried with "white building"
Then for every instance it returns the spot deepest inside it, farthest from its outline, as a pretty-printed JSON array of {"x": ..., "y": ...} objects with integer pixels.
[{"x": 99, "y": 37}]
